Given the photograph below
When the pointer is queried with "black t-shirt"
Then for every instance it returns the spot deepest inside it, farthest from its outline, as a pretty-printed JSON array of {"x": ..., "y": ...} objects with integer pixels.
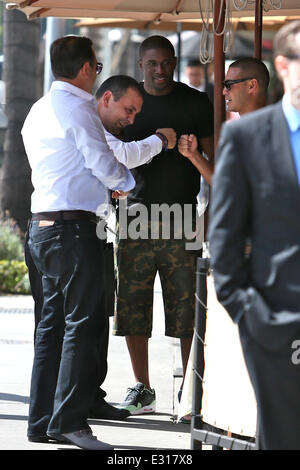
[{"x": 170, "y": 177}]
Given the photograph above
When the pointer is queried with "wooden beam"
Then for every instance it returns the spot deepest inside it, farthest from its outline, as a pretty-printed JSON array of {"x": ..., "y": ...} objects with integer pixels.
[
  {"x": 179, "y": 6},
  {"x": 27, "y": 3},
  {"x": 38, "y": 13}
]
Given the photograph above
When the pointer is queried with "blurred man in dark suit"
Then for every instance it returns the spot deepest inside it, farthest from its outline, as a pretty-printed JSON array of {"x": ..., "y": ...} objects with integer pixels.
[{"x": 255, "y": 197}]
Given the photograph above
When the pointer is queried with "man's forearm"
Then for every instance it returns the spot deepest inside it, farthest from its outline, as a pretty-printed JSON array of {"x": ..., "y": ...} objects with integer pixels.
[
  {"x": 204, "y": 166},
  {"x": 136, "y": 153}
]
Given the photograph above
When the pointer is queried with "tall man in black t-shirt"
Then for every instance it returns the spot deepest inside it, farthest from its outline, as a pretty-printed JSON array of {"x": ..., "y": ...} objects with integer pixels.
[{"x": 174, "y": 182}]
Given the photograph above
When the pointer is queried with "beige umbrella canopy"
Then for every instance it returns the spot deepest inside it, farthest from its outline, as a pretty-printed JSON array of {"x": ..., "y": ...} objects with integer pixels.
[
  {"x": 168, "y": 11},
  {"x": 244, "y": 23},
  {"x": 147, "y": 10}
]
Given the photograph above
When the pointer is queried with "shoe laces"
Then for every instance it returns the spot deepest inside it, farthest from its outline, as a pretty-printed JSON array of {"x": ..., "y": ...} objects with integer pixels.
[{"x": 132, "y": 392}]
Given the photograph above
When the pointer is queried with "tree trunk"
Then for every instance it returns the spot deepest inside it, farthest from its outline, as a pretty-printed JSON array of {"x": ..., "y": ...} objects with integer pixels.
[{"x": 21, "y": 72}]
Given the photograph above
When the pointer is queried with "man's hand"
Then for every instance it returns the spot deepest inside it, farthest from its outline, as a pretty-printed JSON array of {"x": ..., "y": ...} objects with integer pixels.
[
  {"x": 170, "y": 135},
  {"x": 118, "y": 194},
  {"x": 187, "y": 145}
]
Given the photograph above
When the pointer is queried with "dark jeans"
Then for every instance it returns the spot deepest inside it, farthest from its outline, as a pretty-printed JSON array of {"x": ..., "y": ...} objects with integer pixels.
[
  {"x": 70, "y": 359},
  {"x": 36, "y": 286}
]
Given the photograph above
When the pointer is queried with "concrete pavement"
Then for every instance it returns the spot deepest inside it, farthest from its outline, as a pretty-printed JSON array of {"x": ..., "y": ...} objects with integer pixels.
[
  {"x": 150, "y": 432},
  {"x": 228, "y": 396}
]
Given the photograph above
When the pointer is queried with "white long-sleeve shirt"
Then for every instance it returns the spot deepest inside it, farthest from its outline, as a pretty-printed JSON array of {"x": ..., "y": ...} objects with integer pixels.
[
  {"x": 71, "y": 161},
  {"x": 133, "y": 154}
]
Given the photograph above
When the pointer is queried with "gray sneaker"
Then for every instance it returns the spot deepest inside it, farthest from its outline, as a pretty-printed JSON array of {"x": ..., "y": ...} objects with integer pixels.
[
  {"x": 139, "y": 400},
  {"x": 86, "y": 440}
]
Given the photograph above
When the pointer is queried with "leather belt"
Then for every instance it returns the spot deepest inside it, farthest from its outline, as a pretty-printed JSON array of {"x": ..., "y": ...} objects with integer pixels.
[{"x": 60, "y": 216}]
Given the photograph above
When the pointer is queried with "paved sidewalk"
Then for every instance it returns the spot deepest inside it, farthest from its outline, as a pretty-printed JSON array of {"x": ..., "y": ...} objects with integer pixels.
[
  {"x": 228, "y": 396},
  {"x": 152, "y": 432}
]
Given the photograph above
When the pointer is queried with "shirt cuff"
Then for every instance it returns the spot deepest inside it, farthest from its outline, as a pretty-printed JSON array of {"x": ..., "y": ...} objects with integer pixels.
[{"x": 156, "y": 144}]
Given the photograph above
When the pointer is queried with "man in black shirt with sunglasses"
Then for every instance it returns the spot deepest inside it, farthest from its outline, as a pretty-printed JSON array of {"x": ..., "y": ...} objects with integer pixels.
[{"x": 245, "y": 90}]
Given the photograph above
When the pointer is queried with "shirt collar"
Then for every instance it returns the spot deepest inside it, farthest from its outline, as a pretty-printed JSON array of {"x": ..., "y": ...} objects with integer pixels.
[
  {"x": 291, "y": 113},
  {"x": 75, "y": 90}
]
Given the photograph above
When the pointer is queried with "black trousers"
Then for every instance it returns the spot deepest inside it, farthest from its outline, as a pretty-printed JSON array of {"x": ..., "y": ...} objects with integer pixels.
[
  {"x": 276, "y": 382},
  {"x": 36, "y": 286},
  {"x": 70, "y": 361}
]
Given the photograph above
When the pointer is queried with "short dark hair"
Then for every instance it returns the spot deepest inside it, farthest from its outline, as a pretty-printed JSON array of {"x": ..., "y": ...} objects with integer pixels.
[
  {"x": 255, "y": 68},
  {"x": 118, "y": 85},
  {"x": 194, "y": 63},
  {"x": 156, "y": 42},
  {"x": 69, "y": 53},
  {"x": 284, "y": 41}
]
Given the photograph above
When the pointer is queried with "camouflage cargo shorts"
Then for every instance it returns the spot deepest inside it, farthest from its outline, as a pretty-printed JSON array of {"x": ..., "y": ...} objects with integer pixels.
[{"x": 138, "y": 261}]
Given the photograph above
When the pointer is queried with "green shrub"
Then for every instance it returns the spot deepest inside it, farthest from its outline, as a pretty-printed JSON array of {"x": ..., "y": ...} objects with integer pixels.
[
  {"x": 11, "y": 246},
  {"x": 14, "y": 277},
  {"x": 13, "y": 270}
]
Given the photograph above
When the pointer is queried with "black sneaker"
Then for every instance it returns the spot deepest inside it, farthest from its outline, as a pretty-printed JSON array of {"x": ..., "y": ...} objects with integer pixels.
[
  {"x": 48, "y": 439},
  {"x": 104, "y": 410},
  {"x": 139, "y": 400}
]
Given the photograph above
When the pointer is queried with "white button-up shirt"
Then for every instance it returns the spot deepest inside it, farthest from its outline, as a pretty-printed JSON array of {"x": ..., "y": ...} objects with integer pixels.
[
  {"x": 72, "y": 164},
  {"x": 136, "y": 153}
]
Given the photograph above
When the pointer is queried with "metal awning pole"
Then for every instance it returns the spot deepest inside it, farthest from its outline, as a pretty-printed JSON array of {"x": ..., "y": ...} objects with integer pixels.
[
  {"x": 179, "y": 29},
  {"x": 219, "y": 70},
  {"x": 258, "y": 28}
]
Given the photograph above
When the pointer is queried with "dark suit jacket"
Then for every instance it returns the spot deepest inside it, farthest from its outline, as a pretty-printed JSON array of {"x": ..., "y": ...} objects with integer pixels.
[{"x": 256, "y": 196}]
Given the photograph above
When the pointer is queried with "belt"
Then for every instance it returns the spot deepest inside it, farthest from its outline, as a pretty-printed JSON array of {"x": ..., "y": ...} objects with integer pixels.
[{"x": 66, "y": 215}]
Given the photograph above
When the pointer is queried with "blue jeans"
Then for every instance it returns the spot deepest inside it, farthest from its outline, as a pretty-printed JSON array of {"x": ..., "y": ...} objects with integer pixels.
[{"x": 70, "y": 360}]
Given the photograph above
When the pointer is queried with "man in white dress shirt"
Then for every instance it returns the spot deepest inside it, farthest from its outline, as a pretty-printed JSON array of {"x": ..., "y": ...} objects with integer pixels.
[
  {"x": 72, "y": 169},
  {"x": 118, "y": 103},
  {"x": 117, "y": 109},
  {"x": 116, "y": 97}
]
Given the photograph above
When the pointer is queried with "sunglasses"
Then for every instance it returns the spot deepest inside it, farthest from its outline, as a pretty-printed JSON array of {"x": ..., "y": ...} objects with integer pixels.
[
  {"x": 99, "y": 67},
  {"x": 228, "y": 83},
  {"x": 293, "y": 56}
]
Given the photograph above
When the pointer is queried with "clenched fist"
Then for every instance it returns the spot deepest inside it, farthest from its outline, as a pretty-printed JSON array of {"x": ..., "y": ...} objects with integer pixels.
[{"x": 187, "y": 145}]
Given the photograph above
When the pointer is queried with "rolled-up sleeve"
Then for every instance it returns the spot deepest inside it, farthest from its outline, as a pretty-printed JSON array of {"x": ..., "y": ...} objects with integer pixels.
[{"x": 136, "y": 153}]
